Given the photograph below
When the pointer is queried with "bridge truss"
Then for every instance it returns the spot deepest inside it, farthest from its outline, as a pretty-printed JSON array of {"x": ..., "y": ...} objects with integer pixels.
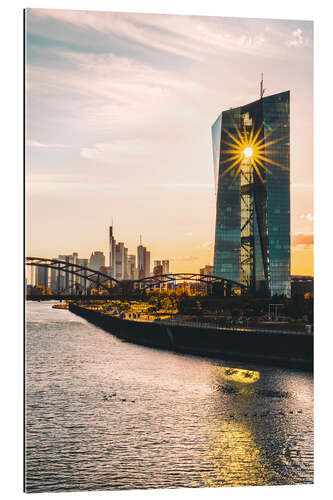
[
  {"x": 201, "y": 282},
  {"x": 190, "y": 281},
  {"x": 96, "y": 278}
]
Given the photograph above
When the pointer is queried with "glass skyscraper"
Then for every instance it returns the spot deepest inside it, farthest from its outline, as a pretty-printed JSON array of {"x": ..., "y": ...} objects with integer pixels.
[{"x": 251, "y": 154}]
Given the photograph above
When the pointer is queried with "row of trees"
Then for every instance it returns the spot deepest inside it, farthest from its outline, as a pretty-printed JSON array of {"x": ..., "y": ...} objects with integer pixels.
[{"x": 295, "y": 307}]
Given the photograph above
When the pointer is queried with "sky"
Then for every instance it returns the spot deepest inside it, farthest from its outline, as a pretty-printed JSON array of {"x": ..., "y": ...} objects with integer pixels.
[{"x": 119, "y": 109}]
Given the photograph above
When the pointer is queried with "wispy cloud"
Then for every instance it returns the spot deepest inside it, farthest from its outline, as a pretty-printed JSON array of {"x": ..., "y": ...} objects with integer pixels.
[
  {"x": 194, "y": 39},
  {"x": 206, "y": 244},
  {"x": 184, "y": 258},
  {"x": 302, "y": 240},
  {"x": 121, "y": 150},
  {"x": 297, "y": 38},
  {"x": 308, "y": 217},
  {"x": 37, "y": 144},
  {"x": 191, "y": 37}
]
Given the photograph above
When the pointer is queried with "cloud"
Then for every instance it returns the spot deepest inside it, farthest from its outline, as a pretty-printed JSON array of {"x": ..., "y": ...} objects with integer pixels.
[
  {"x": 308, "y": 217},
  {"x": 192, "y": 38},
  {"x": 184, "y": 258},
  {"x": 118, "y": 149},
  {"x": 297, "y": 39},
  {"x": 206, "y": 244},
  {"x": 302, "y": 241},
  {"x": 37, "y": 144},
  {"x": 186, "y": 186}
]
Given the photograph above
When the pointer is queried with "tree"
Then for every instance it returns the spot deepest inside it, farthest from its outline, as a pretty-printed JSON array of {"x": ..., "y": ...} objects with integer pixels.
[{"x": 166, "y": 304}]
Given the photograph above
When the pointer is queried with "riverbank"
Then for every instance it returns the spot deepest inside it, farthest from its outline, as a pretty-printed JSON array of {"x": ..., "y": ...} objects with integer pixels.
[{"x": 293, "y": 350}]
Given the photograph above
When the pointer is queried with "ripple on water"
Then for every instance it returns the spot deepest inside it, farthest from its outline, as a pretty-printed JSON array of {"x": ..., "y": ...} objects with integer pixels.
[{"x": 103, "y": 414}]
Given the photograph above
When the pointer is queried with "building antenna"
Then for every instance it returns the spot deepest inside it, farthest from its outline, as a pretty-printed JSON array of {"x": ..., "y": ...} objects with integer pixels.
[
  {"x": 140, "y": 239},
  {"x": 262, "y": 90}
]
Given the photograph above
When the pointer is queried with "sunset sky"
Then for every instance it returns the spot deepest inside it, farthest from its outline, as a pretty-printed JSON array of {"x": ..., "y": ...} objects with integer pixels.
[{"x": 118, "y": 124}]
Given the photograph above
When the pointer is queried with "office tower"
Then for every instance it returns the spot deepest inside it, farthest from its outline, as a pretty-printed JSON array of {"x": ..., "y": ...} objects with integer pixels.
[
  {"x": 74, "y": 277},
  {"x": 131, "y": 267},
  {"x": 82, "y": 281},
  {"x": 42, "y": 276},
  {"x": 251, "y": 156},
  {"x": 147, "y": 263},
  {"x": 207, "y": 270},
  {"x": 158, "y": 268},
  {"x": 97, "y": 260},
  {"x": 121, "y": 261},
  {"x": 112, "y": 253},
  {"x": 125, "y": 263},
  {"x": 54, "y": 280},
  {"x": 166, "y": 266},
  {"x": 66, "y": 281},
  {"x": 143, "y": 262}
]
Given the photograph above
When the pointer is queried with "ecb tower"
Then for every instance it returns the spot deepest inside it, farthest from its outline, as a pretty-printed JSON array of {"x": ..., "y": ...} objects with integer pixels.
[{"x": 251, "y": 153}]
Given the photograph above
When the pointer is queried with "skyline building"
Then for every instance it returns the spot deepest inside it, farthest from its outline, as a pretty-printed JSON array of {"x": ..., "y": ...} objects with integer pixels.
[
  {"x": 112, "y": 253},
  {"x": 251, "y": 154},
  {"x": 65, "y": 281},
  {"x": 97, "y": 260},
  {"x": 166, "y": 266},
  {"x": 131, "y": 267},
  {"x": 208, "y": 270},
  {"x": 147, "y": 263},
  {"x": 125, "y": 263},
  {"x": 42, "y": 276},
  {"x": 143, "y": 262},
  {"x": 121, "y": 261},
  {"x": 161, "y": 267},
  {"x": 82, "y": 281},
  {"x": 158, "y": 268}
]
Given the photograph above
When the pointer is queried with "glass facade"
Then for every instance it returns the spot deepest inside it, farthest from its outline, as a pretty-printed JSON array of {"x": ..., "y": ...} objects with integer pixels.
[{"x": 252, "y": 183}]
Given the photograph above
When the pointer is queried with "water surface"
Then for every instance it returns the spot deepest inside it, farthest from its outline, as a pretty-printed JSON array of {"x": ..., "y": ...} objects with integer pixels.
[{"x": 105, "y": 414}]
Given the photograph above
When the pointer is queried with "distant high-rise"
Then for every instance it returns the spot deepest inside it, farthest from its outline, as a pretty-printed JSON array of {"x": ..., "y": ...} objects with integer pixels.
[
  {"x": 97, "y": 260},
  {"x": 158, "y": 268},
  {"x": 125, "y": 263},
  {"x": 143, "y": 262},
  {"x": 82, "y": 281},
  {"x": 121, "y": 262},
  {"x": 166, "y": 266},
  {"x": 147, "y": 263},
  {"x": 54, "y": 280},
  {"x": 132, "y": 275},
  {"x": 251, "y": 155},
  {"x": 207, "y": 270},
  {"x": 161, "y": 267},
  {"x": 112, "y": 253},
  {"x": 65, "y": 281},
  {"x": 42, "y": 276}
]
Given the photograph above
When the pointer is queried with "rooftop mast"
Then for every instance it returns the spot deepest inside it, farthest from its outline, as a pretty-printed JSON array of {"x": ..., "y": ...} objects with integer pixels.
[{"x": 262, "y": 90}]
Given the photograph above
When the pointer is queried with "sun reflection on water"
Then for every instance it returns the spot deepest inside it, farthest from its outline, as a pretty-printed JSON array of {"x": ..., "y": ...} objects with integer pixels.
[
  {"x": 235, "y": 458},
  {"x": 237, "y": 375}
]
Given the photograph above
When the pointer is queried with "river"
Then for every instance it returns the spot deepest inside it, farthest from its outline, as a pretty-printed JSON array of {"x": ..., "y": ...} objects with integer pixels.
[{"x": 105, "y": 414}]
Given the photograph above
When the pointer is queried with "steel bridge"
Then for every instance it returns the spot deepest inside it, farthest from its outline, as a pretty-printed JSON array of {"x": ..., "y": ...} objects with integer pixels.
[
  {"x": 200, "y": 282},
  {"x": 96, "y": 278},
  {"x": 165, "y": 281}
]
